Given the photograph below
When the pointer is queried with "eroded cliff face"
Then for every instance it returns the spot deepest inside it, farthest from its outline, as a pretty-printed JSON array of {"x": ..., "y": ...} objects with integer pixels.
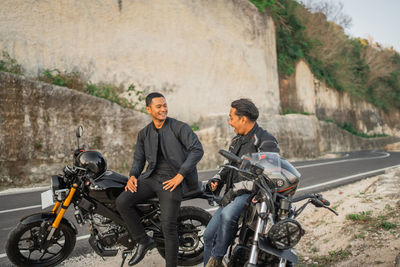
[
  {"x": 37, "y": 129},
  {"x": 299, "y": 137},
  {"x": 38, "y": 122},
  {"x": 201, "y": 54},
  {"x": 303, "y": 93}
]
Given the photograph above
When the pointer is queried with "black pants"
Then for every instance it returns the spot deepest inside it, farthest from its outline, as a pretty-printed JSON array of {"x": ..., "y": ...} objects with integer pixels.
[{"x": 169, "y": 204}]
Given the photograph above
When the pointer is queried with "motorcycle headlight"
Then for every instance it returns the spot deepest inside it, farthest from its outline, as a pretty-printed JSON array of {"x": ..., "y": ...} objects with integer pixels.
[
  {"x": 55, "y": 183},
  {"x": 285, "y": 234}
]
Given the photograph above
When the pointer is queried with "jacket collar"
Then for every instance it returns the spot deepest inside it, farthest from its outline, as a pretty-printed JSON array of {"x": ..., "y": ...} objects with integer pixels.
[
  {"x": 153, "y": 127},
  {"x": 249, "y": 136}
]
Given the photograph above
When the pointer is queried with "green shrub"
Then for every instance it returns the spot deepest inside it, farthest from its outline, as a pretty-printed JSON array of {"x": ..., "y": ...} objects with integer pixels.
[
  {"x": 361, "y": 68},
  {"x": 9, "y": 64},
  {"x": 71, "y": 80}
]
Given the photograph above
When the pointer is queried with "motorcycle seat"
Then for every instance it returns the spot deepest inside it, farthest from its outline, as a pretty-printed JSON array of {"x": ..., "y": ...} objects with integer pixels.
[{"x": 186, "y": 195}]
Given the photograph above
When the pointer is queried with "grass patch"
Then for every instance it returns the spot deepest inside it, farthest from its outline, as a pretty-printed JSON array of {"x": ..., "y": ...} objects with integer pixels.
[
  {"x": 360, "y": 217},
  {"x": 289, "y": 111},
  {"x": 333, "y": 256},
  {"x": 349, "y": 128},
  {"x": 110, "y": 92},
  {"x": 387, "y": 225},
  {"x": 9, "y": 64},
  {"x": 374, "y": 224},
  {"x": 71, "y": 80}
]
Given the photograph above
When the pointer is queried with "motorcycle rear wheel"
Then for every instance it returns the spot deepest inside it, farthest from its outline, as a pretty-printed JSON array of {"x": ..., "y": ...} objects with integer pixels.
[
  {"x": 22, "y": 245},
  {"x": 192, "y": 222}
]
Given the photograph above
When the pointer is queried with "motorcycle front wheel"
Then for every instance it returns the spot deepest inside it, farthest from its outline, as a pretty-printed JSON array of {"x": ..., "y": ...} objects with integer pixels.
[
  {"x": 192, "y": 222},
  {"x": 23, "y": 248}
]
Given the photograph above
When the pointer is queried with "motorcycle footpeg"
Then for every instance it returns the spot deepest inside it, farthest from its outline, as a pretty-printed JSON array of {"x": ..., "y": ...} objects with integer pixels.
[
  {"x": 98, "y": 248},
  {"x": 125, "y": 254}
]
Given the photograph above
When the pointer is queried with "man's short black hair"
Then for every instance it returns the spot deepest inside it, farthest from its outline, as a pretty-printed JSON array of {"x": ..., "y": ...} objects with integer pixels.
[
  {"x": 150, "y": 97},
  {"x": 245, "y": 107}
]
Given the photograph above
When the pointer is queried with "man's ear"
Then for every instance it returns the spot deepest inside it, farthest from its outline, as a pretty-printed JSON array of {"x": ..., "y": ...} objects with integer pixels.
[{"x": 148, "y": 109}]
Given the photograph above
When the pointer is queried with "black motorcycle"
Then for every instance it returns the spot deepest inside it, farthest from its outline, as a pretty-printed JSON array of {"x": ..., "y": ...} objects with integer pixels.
[
  {"x": 47, "y": 238},
  {"x": 269, "y": 231}
]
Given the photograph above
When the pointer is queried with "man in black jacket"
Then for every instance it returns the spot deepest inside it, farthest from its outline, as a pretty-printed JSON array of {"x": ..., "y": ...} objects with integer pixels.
[
  {"x": 250, "y": 138},
  {"x": 172, "y": 151}
]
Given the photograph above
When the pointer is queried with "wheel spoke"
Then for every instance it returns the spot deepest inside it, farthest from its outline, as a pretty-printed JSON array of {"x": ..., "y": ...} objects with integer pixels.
[
  {"x": 44, "y": 253},
  {"x": 51, "y": 253}
]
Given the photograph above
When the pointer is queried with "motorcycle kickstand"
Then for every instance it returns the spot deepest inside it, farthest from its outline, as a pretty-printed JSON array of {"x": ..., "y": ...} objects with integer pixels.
[{"x": 124, "y": 255}]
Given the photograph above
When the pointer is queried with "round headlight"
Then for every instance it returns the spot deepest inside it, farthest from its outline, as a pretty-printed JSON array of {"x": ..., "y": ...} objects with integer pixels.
[{"x": 285, "y": 234}]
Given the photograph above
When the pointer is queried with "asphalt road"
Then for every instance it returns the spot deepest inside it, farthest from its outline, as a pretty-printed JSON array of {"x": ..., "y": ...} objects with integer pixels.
[{"x": 317, "y": 176}]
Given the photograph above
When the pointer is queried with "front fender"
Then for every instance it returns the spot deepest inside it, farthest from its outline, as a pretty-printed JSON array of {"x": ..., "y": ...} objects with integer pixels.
[
  {"x": 47, "y": 216},
  {"x": 288, "y": 254}
]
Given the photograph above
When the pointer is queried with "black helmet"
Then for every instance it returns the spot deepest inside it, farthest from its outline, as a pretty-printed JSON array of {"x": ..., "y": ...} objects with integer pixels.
[{"x": 92, "y": 161}]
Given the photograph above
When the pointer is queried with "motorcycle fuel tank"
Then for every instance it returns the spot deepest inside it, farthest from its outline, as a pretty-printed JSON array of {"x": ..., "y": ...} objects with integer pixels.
[{"x": 108, "y": 186}]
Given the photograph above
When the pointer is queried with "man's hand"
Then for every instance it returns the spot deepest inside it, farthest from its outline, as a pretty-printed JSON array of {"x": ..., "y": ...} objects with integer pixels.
[
  {"x": 173, "y": 183},
  {"x": 131, "y": 185},
  {"x": 213, "y": 186}
]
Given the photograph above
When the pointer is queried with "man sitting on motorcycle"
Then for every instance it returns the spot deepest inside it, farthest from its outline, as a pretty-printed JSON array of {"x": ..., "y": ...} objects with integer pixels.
[
  {"x": 172, "y": 151},
  {"x": 250, "y": 138}
]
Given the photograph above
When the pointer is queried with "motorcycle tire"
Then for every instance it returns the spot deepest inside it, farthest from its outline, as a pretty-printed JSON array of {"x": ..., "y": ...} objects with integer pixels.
[
  {"x": 63, "y": 243},
  {"x": 192, "y": 222}
]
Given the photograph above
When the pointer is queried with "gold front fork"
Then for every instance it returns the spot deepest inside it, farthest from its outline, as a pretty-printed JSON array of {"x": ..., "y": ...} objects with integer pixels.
[
  {"x": 64, "y": 207},
  {"x": 56, "y": 207},
  {"x": 62, "y": 211}
]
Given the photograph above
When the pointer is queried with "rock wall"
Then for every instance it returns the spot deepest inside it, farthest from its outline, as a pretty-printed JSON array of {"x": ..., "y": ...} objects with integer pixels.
[
  {"x": 200, "y": 54},
  {"x": 38, "y": 122},
  {"x": 37, "y": 129},
  {"x": 302, "y": 92}
]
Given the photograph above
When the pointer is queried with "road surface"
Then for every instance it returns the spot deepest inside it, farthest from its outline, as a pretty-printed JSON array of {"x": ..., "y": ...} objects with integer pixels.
[{"x": 317, "y": 176}]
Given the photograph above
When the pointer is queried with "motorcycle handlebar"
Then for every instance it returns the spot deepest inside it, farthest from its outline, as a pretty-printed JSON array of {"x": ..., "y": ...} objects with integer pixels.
[
  {"x": 317, "y": 200},
  {"x": 230, "y": 156}
]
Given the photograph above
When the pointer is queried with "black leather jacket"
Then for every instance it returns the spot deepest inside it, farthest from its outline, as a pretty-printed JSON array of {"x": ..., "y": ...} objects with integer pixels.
[
  {"x": 257, "y": 140},
  {"x": 180, "y": 147}
]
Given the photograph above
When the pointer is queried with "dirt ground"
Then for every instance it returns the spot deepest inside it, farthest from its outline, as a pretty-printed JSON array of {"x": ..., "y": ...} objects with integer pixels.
[{"x": 367, "y": 230}]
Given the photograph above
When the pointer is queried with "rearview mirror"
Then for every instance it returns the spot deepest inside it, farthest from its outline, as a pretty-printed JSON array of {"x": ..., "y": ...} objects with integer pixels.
[{"x": 79, "y": 131}]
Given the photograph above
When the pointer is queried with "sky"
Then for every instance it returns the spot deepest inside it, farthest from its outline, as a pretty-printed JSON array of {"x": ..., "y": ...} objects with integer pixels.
[{"x": 379, "y": 19}]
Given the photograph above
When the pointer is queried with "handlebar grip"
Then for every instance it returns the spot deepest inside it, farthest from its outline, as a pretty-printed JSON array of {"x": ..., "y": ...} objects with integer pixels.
[
  {"x": 326, "y": 202},
  {"x": 230, "y": 156},
  {"x": 317, "y": 203},
  {"x": 323, "y": 200}
]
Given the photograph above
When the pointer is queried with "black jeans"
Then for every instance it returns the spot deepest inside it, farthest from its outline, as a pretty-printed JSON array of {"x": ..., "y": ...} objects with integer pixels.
[{"x": 169, "y": 204}]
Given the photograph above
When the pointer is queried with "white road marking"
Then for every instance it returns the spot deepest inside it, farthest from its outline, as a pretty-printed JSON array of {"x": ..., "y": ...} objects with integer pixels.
[
  {"x": 346, "y": 178},
  {"x": 385, "y": 155},
  {"x": 23, "y": 208},
  {"x": 15, "y": 191},
  {"x": 82, "y": 237}
]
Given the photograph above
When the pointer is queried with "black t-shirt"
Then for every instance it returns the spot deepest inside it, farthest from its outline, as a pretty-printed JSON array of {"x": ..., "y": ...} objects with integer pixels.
[{"x": 163, "y": 167}]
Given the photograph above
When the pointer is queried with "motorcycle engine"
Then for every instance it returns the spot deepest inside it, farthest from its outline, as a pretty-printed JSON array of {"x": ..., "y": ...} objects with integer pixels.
[{"x": 107, "y": 231}]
